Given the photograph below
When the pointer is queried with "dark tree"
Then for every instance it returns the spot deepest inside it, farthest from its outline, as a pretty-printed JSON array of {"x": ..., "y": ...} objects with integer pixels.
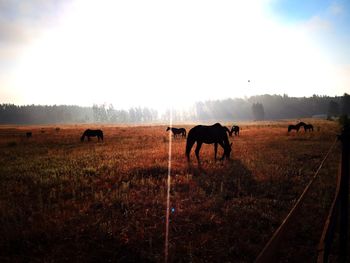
[
  {"x": 99, "y": 113},
  {"x": 333, "y": 109},
  {"x": 258, "y": 111},
  {"x": 227, "y": 110},
  {"x": 346, "y": 104}
]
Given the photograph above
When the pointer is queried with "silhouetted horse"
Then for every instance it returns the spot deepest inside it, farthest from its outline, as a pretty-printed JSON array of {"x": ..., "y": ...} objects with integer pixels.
[
  {"x": 176, "y": 131},
  {"x": 308, "y": 127},
  {"x": 208, "y": 134},
  {"x": 92, "y": 133},
  {"x": 235, "y": 129},
  {"x": 296, "y": 127}
]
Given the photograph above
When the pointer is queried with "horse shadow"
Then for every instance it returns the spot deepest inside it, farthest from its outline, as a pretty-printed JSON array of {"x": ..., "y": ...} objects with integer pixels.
[{"x": 229, "y": 179}]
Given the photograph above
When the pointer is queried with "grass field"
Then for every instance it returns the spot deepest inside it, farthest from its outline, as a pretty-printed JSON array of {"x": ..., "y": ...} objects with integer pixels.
[{"x": 62, "y": 200}]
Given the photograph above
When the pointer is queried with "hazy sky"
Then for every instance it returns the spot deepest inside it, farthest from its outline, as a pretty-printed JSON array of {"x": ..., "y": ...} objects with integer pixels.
[{"x": 162, "y": 53}]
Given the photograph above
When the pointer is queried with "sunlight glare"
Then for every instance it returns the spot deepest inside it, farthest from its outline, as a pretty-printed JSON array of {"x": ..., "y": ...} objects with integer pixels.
[{"x": 160, "y": 54}]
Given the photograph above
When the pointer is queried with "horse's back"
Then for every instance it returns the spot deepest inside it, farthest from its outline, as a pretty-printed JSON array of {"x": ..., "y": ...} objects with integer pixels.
[
  {"x": 208, "y": 134},
  {"x": 89, "y": 132}
]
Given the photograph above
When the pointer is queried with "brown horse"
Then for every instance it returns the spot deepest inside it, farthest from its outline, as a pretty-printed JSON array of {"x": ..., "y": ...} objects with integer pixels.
[
  {"x": 92, "y": 133},
  {"x": 235, "y": 129},
  {"x": 308, "y": 127},
  {"x": 296, "y": 127},
  {"x": 177, "y": 131},
  {"x": 214, "y": 134}
]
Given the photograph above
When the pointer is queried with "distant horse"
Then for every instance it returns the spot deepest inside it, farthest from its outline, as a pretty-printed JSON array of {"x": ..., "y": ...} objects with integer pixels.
[
  {"x": 92, "y": 133},
  {"x": 29, "y": 134},
  {"x": 208, "y": 134},
  {"x": 235, "y": 129},
  {"x": 176, "y": 131},
  {"x": 308, "y": 127},
  {"x": 296, "y": 127}
]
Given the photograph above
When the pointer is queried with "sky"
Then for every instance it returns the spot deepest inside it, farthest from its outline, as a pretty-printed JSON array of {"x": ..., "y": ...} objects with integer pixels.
[{"x": 163, "y": 54}]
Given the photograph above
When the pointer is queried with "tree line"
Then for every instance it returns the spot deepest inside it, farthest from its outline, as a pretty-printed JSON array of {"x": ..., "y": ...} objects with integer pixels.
[{"x": 262, "y": 107}]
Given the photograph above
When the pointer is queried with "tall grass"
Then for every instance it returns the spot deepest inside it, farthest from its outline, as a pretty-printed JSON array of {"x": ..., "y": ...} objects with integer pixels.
[{"x": 63, "y": 200}]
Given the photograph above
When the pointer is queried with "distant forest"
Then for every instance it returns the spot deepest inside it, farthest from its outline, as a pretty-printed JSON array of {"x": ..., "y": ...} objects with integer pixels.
[{"x": 262, "y": 107}]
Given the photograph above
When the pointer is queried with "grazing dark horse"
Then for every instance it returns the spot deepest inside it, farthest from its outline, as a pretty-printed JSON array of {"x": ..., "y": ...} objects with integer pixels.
[
  {"x": 235, "y": 129},
  {"x": 296, "y": 127},
  {"x": 29, "y": 134},
  {"x": 308, "y": 127},
  {"x": 92, "y": 133},
  {"x": 208, "y": 134},
  {"x": 176, "y": 131}
]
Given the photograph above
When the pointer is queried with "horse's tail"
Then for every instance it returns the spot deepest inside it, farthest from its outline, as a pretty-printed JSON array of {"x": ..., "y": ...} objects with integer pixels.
[
  {"x": 101, "y": 135},
  {"x": 184, "y": 133},
  {"x": 227, "y": 148},
  {"x": 189, "y": 144}
]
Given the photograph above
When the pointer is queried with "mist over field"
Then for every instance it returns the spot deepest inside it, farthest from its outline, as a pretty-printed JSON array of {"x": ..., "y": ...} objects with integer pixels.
[{"x": 263, "y": 107}]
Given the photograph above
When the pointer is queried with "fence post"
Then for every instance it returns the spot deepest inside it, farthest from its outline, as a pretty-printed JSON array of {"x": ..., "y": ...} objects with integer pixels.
[{"x": 344, "y": 193}]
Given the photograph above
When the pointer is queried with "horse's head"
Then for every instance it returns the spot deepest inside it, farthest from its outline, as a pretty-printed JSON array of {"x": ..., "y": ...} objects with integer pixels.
[{"x": 168, "y": 129}]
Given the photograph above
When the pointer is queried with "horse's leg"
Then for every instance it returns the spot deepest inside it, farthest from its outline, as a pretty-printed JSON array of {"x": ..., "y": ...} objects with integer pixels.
[
  {"x": 198, "y": 147},
  {"x": 189, "y": 145},
  {"x": 223, "y": 147},
  {"x": 215, "y": 150}
]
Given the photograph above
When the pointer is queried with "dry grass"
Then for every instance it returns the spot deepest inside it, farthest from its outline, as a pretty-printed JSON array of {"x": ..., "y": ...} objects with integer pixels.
[{"x": 63, "y": 200}]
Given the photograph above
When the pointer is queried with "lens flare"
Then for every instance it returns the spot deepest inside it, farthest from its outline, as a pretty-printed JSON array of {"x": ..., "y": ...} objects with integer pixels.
[{"x": 168, "y": 191}]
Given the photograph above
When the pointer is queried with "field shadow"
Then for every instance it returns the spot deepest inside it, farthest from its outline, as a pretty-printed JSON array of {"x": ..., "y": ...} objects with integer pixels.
[
  {"x": 155, "y": 172},
  {"x": 229, "y": 179}
]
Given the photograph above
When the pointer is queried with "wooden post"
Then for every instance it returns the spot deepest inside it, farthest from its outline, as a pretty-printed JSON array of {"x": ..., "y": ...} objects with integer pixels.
[{"x": 344, "y": 193}]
